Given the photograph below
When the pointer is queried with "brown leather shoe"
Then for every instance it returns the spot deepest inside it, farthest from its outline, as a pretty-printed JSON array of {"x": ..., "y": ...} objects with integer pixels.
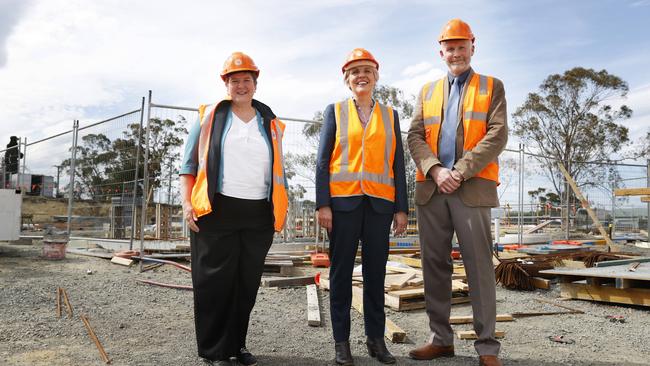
[
  {"x": 489, "y": 361},
  {"x": 430, "y": 351}
]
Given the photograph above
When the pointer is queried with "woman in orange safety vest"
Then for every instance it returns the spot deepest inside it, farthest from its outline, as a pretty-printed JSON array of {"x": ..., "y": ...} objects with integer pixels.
[
  {"x": 234, "y": 195},
  {"x": 360, "y": 190}
]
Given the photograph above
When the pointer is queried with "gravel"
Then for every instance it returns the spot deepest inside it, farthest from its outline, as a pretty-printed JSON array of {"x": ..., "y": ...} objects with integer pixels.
[{"x": 145, "y": 325}]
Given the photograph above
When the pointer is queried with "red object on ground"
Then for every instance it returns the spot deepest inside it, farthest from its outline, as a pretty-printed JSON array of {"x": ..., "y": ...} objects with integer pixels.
[
  {"x": 455, "y": 254},
  {"x": 317, "y": 279},
  {"x": 513, "y": 246},
  {"x": 320, "y": 260},
  {"x": 566, "y": 242},
  {"x": 126, "y": 254}
]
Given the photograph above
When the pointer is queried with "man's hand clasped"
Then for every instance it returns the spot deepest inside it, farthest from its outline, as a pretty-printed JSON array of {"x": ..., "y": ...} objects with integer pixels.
[{"x": 447, "y": 180}]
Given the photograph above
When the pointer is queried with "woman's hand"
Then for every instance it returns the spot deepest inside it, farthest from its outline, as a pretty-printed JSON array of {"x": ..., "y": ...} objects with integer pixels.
[
  {"x": 325, "y": 218},
  {"x": 190, "y": 216},
  {"x": 399, "y": 223}
]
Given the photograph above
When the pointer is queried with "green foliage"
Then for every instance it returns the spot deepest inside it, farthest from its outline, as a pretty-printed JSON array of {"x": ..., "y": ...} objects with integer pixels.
[
  {"x": 394, "y": 97},
  {"x": 571, "y": 121},
  {"x": 104, "y": 167}
]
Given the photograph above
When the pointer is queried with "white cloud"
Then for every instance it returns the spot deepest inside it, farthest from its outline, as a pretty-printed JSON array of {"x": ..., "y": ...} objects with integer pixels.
[{"x": 416, "y": 76}]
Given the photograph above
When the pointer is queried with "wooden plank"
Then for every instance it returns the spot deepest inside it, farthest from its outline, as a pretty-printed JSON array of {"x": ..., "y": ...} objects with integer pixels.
[
  {"x": 457, "y": 286},
  {"x": 413, "y": 262},
  {"x": 417, "y": 281},
  {"x": 287, "y": 281},
  {"x": 573, "y": 264},
  {"x": 404, "y": 270},
  {"x": 470, "y": 334},
  {"x": 632, "y": 192},
  {"x": 392, "y": 332},
  {"x": 407, "y": 294},
  {"x": 468, "y": 319},
  {"x": 396, "y": 282},
  {"x": 645, "y": 199},
  {"x": 313, "y": 306},
  {"x": 539, "y": 226},
  {"x": 585, "y": 204},
  {"x": 458, "y": 298},
  {"x": 122, "y": 261},
  {"x": 631, "y": 296},
  {"x": 541, "y": 283}
]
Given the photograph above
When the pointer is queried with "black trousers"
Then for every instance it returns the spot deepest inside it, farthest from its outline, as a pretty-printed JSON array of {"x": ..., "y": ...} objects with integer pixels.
[
  {"x": 373, "y": 229},
  {"x": 227, "y": 264}
]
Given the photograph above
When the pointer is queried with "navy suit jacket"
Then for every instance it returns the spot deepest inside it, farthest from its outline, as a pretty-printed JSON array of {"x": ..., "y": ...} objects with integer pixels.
[{"x": 325, "y": 148}]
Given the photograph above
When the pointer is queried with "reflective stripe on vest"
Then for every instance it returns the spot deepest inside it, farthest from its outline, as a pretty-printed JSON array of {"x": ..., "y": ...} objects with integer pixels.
[
  {"x": 201, "y": 201},
  {"x": 362, "y": 159},
  {"x": 478, "y": 96}
]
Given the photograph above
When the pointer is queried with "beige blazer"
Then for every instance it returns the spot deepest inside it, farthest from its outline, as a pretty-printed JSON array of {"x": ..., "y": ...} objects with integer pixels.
[{"x": 474, "y": 192}]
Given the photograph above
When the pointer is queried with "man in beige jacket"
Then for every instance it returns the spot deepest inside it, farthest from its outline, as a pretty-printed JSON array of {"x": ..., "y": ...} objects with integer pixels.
[{"x": 457, "y": 133}]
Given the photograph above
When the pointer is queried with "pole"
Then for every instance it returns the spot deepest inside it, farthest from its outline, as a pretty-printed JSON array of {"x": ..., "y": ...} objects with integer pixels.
[
  {"x": 24, "y": 156},
  {"x": 648, "y": 183},
  {"x": 169, "y": 185},
  {"x": 568, "y": 204},
  {"x": 145, "y": 189},
  {"x": 520, "y": 215},
  {"x": 58, "y": 176},
  {"x": 613, "y": 215},
  {"x": 134, "y": 219},
  {"x": 75, "y": 131}
]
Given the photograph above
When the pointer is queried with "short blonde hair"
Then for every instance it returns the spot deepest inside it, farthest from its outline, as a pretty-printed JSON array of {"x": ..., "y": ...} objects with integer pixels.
[{"x": 346, "y": 75}]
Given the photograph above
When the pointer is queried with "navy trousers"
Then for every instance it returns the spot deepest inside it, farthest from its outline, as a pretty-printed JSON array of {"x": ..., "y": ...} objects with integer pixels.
[{"x": 373, "y": 229}]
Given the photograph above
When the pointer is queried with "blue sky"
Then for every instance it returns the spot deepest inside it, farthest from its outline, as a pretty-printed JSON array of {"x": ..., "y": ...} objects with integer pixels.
[{"x": 73, "y": 59}]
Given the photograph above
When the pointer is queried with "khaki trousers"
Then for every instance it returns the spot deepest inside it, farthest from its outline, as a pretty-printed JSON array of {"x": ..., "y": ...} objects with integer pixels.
[{"x": 437, "y": 221}]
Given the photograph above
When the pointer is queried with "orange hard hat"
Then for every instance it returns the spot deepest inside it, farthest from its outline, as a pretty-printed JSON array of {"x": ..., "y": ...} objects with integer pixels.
[
  {"x": 359, "y": 54},
  {"x": 456, "y": 29},
  {"x": 237, "y": 62}
]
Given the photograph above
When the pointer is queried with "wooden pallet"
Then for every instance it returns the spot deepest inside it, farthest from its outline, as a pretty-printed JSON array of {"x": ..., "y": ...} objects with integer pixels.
[
  {"x": 616, "y": 284},
  {"x": 413, "y": 299}
]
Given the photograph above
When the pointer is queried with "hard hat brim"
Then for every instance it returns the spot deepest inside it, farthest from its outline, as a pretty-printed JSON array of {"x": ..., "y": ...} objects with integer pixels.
[
  {"x": 454, "y": 38},
  {"x": 356, "y": 63},
  {"x": 254, "y": 71}
]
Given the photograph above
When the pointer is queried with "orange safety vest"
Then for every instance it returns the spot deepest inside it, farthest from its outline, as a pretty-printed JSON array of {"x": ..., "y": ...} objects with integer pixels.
[
  {"x": 362, "y": 159},
  {"x": 279, "y": 198},
  {"x": 478, "y": 97}
]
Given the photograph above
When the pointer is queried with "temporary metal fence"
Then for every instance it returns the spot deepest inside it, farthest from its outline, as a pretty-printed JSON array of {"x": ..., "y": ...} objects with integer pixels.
[{"x": 118, "y": 159}]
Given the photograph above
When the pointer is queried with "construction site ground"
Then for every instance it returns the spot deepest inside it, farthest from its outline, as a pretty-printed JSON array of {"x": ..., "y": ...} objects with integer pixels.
[{"x": 145, "y": 325}]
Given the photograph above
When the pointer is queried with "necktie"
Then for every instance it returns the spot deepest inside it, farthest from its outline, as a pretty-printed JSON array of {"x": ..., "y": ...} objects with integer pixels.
[{"x": 449, "y": 126}]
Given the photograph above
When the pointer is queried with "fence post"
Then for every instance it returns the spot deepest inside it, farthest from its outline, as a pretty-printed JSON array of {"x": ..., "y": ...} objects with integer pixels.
[
  {"x": 145, "y": 183},
  {"x": 134, "y": 216},
  {"x": 568, "y": 203},
  {"x": 24, "y": 157},
  {"x": 75, "y": 131},
  {"x": 520, "y": 215}
]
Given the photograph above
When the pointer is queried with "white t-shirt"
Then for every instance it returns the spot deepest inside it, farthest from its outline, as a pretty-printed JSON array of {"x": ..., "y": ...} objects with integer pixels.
[{"x": 246, "y": 161}]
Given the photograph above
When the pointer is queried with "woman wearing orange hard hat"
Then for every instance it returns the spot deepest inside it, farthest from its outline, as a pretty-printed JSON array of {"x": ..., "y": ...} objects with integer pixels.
[
  {"x": 360, "y": 191},
  {"x": 234, "y": 195}
]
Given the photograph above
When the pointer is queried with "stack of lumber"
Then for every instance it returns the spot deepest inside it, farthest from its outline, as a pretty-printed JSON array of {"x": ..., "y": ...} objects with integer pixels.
[
  {"x": 404, "y": 285},
  {"x": 624, "y": 282}
]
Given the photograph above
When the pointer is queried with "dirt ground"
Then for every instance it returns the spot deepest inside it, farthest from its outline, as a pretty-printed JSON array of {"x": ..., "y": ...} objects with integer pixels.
[{"x": 144, "y": 325}]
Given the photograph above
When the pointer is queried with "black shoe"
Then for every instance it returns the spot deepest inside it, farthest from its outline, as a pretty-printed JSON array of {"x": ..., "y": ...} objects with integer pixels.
[
  {"x": 377, "y": 349},
  {"x": 246, "y": 358},
  {"x": 222, "y": 363},
  {"x": 343, "y": 353}
]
